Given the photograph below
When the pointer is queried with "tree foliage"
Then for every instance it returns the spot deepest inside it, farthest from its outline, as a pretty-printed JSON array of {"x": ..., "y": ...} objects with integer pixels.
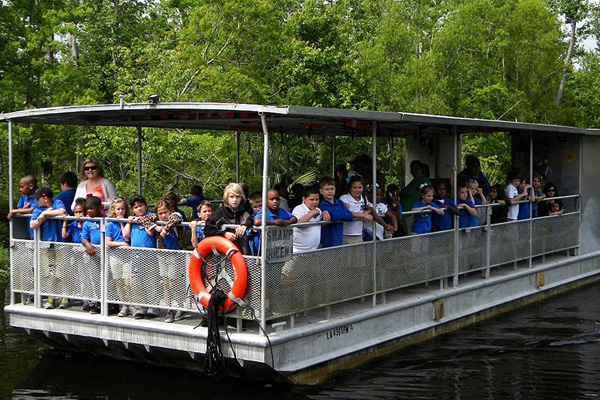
[{"x": 499, "y": 59}]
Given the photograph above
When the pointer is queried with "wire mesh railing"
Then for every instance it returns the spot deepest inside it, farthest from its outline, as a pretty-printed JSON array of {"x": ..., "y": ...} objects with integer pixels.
[{"x": 158, "y": 278}]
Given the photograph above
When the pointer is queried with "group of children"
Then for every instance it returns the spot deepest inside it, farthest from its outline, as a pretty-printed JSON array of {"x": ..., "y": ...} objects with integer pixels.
[
  {"x": 139, "y": 230},
  {"x": 239, "y": 221},
  {"x": 443, "y": 209}
]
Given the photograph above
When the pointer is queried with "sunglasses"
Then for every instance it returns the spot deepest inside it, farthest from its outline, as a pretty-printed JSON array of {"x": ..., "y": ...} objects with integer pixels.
[
  {"x": 170, "y": 198},
  {"x": 90, "y": 168}
]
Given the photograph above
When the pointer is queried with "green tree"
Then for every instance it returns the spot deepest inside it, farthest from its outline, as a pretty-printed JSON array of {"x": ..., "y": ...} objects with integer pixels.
[
  {"x": 574, "y": 12},
  {"x": 500, "y": 59}
]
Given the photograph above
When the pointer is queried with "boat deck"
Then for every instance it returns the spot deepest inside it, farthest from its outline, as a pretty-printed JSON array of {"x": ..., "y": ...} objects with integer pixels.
[{"x": 305, "y": 346}]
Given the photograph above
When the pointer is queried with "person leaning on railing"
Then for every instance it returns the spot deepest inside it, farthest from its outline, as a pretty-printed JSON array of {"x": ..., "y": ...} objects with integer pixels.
[
  {"x": 233, "y": 211},
  {"x": 545, "y": 208},
  {"x": 500, "y": 212}
]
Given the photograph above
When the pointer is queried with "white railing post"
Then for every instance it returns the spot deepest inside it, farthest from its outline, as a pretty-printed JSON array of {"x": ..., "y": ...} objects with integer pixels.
[
  {"x": 263, "y": 225},
  {"x": 103, "y": 269},
  {"x": 10, "y": 207},
  {"x": 374, "y": 199},
  {"x": 530, "y": 205},
  {"x": 37, "y": 299}
]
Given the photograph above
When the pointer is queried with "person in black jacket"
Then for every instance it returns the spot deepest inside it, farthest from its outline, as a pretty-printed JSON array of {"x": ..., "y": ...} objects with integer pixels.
[{"x": 232, "y": 212}]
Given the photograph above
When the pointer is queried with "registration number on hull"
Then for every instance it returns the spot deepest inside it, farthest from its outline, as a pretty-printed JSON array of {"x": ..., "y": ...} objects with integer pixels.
[{"x": 339, "y": 331}]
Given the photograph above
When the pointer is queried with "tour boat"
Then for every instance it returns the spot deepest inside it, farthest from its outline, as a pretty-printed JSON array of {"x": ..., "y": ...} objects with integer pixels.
[{"x": 346, "y": 304}]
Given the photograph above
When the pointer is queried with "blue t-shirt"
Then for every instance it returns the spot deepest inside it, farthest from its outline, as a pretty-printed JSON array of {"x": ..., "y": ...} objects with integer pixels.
[
  {"x": 75, "y": 232},
  {"x": 91, "y": 232},
  {"x": 139, "y": 236},
  {"x": 50, "y": 229},
  {"x": 524, "y": 211},
  {"x": 281, "y": 214},
  {"x": 199, "y": 233},
  {"x": 27, "y": 200},
  {"x": 66, "y": 196},
  {"x": 193, "y": 202},
  {"x": 465, "y": 219},
  {"x": 422, "y": 222},
  {"x": 113, "y": 231},
  {"x": 333, "y": 234},
  {"x": 170, "y": 241},
  {"x": 446, "y": 221}
]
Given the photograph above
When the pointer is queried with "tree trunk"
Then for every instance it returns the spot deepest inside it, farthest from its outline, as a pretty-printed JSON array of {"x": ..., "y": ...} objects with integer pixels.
[{"x": 563, "y": 81}]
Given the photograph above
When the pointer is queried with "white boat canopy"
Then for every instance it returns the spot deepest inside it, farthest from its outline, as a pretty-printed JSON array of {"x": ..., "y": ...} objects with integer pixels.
[{"x": 287, "y": 119}]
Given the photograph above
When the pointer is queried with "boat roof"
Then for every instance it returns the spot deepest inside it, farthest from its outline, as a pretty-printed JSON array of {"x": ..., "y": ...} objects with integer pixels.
[{"x": 297, "y": 120}]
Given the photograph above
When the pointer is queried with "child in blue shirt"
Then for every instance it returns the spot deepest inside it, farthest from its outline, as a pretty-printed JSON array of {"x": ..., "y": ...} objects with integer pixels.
[
  {"x": 120, "y": 265},
  {"x": 27, "y": 203},
  {"x": 197, "y": 225},
  {"x": 73, "y": 229},
  {"x": 332, "y": 210},
  {"x": 478, "y": 199},
  {"x": 49, "y": 232},
  {"x": 169, "y": 238},
  {"x": 275, "y": 215},
  {"x": 524, "y": 208},
  {"x": 468, "y": 213},
  {"x": 68, "y": 184},
  {"x": 91, "y": 236},
  {"x": 422, "y": 222},
  {"x": 446, "y": 221},
  {"x": 254, "y": 234},
  {"x": 143, "y": 265},
  {"x": 196, "y": 196}
]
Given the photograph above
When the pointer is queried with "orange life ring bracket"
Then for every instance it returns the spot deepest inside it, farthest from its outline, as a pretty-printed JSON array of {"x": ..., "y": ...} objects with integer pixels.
[{"x": 240, "y": 273}]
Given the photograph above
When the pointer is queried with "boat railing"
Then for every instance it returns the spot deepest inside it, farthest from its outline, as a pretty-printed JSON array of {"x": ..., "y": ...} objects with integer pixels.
[
  {"x": 337, "y": 274},
  {"x": 305, "y": 282}
]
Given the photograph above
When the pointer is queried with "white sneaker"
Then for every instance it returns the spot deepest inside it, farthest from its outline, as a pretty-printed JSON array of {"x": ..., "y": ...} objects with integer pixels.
[
  {"x": 179, "y": 315},
  {"x": 124, "y": 311}
]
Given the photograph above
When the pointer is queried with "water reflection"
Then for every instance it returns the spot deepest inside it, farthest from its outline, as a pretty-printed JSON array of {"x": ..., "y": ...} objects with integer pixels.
[{"x": 549, "y": 350}]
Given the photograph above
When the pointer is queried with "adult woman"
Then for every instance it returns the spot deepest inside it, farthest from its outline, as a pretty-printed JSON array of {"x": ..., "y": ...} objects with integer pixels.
[
  {"x": 410, "y": 194},
  {"x": 93, "y": 183},
  {"x": 545, "y": 207}
]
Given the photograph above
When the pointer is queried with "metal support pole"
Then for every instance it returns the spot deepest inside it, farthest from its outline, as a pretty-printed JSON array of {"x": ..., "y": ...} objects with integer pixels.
[
  {"x": 10, "y": 206},
  {"x": 457, "y": 147},
  {"x": 374, "y": 201},
  {"x": 530, "y": 203},
  {"x": 37, "y": 299},
  {"x": 103, "y": 270},
  {"x": 139, "y": 133},
  {"x": 263, "y": 225},
  {"x": 333, "y": 157},
  {"x": 237, "y": 157},
  {"x": 488, "y": 241},
  {"x": 576, "y": 251}
]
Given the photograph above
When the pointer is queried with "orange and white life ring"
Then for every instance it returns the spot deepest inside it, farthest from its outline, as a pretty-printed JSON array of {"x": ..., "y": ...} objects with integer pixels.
[{"x": 240, "y": 272}]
